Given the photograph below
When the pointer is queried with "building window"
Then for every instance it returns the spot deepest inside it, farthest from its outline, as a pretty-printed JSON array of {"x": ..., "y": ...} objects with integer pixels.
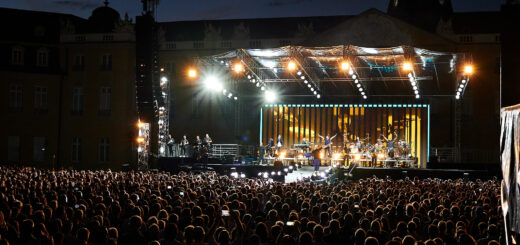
[
  {"x": 171, "y": 46},
  {"x": 15, "y": 97},
  {"x": 42, "y": 57},
  {"x": 76, "y": 149},
  {"x": 17, "y": 54},
  {"x": 80, "y": 38},
  {"x": 13, "y": 154},
  {"x": 77, "y": 100},
  {"x": 285, "y": 42},
  {"x": 198, "y": 45},
  {"x": 40, "y": 98},
  {"x": 79, "y": 63},
  {"x": 104, "y": 150},
  {"x": 39, "y": 149},
  {"x": 106, "y": 62},
  {"x": 108, "y": 37},
  {"x": 255, "y": 44},
  {"x": 105, "y": 99}
]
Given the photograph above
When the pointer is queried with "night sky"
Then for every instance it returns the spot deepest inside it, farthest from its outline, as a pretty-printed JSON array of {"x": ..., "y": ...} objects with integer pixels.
[{"x": 174, "y": 10}]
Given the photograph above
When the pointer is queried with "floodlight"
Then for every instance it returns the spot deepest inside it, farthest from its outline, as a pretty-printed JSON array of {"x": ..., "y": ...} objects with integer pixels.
[
  {"x": 192, "y": 73},
  {"x": 213, "y": 83},
  {"x": 417, "y": 96},
  {"x": 238, "y": 67},
  {"x": 164, "y": 79},
  {"x": 468, "y": 69},
  {"x": 291, "y": 66},
  {"x": 463, "y": 81},
  {"x": 318, "y": 96},
  {"x": 344, "y": 65},
  {"x": 407, "y": 66},
  {"x": 270, "y": 96}
]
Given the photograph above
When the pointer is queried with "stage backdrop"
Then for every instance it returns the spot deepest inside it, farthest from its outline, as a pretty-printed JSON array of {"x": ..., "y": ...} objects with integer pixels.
[{"x": 294, "y": 122}]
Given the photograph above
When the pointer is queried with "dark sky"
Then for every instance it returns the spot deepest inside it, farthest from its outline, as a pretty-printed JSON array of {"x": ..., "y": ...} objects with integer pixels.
[{"x": 172, "y": 10}]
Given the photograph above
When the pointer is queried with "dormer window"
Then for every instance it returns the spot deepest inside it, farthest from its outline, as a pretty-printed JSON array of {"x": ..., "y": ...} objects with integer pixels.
[
  {"x": 17, "y": 56},
  {"x": 42, "y": 57}
]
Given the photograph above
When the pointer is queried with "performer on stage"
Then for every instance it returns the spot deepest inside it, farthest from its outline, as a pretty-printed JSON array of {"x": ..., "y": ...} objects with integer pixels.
[
  {"x": 306, "y": 143},
  {"x": 184, "y": 146},
  {"x": 328, "y": 143},
  {"x": 316, "y": 155},
  {"x": 170, "y": 144},
  {"x": 279, "y": 141},
  {"x": 270, "y": 146},
  {"x": 208, "y": 141},
  {"x": 261, "y": 153}
]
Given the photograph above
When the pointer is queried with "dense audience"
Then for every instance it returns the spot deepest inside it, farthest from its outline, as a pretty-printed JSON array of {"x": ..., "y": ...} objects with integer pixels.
[{"x": 40, "y": 206}]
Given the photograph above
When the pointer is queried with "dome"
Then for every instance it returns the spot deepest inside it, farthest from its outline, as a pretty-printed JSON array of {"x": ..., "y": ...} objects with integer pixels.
[{"x": 104, "y": 19}]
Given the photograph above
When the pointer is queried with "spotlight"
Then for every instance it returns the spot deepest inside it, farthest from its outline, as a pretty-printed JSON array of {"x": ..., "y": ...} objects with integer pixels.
[
  {"x": 458, "y": 93},
  {"x": 318, "y": 96},
  {"x": 140, "y": 139},
  {"x": 357, "y": 156},
  {"x": 235, "y": 98},
  {"x": 279, "y": 173},
  {"x": 315, "y": 93},
  {"x": 414, "y": 87},
  {"x": 282, "y": 155},
  {"x": 354, "y": 76},
  {"x": 164, "y": 79},
  {"x": 414, "y": 83},
  {"x": 258, "y": 84},
  {"x": 260, "y": 174},
  {"x": 322, "y": 174},
  {"x": 229, "y": 95},
  {"x": 312, "y": 89},
  {"x": 416, "y": 92},
  {"x": 238, "y": 67},
  {"x": 417, "y": 96},
  {"x": 460, "y": 89},
  {"x": 302, "y": 77},
  {"x": 360, "y": 89},
  {"x": 463, "y": 81},
  {"x": 407, "y": 66},
  {"x": 248, "y": 76},
  {"x": 266, "y": 175},
  {"x": 273, "y": 173},
  {"x": 213, "y": 83},
  {"x": 468, "y": 69},
  {"x": 356, "y": 81},
  {"x": 308, "y": 85},
  {"x": 234, "y": 175},
  {"x": 362, "y": 93},
  {"x": 410, "y": 75},
  {"x": 412, "y": 79},
  {"x": 364, "y": 97},
  {"x": 286, "y": 170},
  {"x": 192, "y": 73},
  {"x": 262, "y": 88},
  {"x": 358, "y": 85},
  {"x": 242, "y": 175},
  {"x": 291, "y": 66},
  {"x": 253, "y": 80},
  {"x": 457, "y": 97},
  {"x": 337, "y": 156},
  {"x": 350, "y": 72},
  {"x": 462, "y": 85},
  {"x": 305, "y": 81},
  {"x": 270, "y": 96},
  {"x": 344, "y": 65},
  {"x": 299, "y": 73},
  {"x": 291, "y": 167}
]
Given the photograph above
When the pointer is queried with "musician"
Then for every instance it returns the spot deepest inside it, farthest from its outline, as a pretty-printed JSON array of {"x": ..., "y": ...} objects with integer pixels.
[
  {"x": 170, "y": 144},
  {"x": 328, "y": 143},
  {"x": 316, "y": 155},
  {"x": 261, "y": 153},
  {"x": 270, "y": 146},
  {"x": 198, "y": 143},
  {"x": 184, "y": 146},
  {"x": 306, "y": 143},
  {"x": 208, "y": 141},
  {"x": 279, "y": 141}
]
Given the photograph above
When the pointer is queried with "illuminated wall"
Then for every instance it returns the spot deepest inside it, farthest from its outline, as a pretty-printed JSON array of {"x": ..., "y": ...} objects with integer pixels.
[{"x": 294, "y": 122}]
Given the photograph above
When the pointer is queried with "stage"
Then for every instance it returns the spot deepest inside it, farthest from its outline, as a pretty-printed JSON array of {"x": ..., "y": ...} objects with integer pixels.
[{"x": 295, "y": 172}]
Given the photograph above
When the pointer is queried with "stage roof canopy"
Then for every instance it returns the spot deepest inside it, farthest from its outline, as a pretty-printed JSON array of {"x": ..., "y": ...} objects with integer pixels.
[{"x": 349, "y": 70}]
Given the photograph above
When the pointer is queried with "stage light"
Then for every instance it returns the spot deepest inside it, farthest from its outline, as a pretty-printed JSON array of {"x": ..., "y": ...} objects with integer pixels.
[
  {"x": 291, "y": 66},
  {"x": 213, "y": 83},
  {"x": 140, "y": 124},
  {"x": 161, "y": 149},
  {"x": 356, "y": 81},
  {"x": 312, "y": 89},
  {"x": 234, "y": 175},
  {"x": 364, "y": 97},
  {"x": 164, "y": 79},
  {"x": 266, "y": 175},
  {"x": 414, "y": 83},
  {"x": 318, "y": 96},
  {"x": 282, "y": 155},
  {"x": 362, "y": 93},
  {"x": 337, "y": 156},
  {"x": 358, "y": 85},
  {"x": 457, "y": 97},
  {"x": 224, "y": 91},
  {"x": 380, "y": 156},
  {"x": 262, "y": 88},
  {"x": 354, "y": 76},
  {"x": 463, "y": 81},
  {"x": 286, "y": 170},
  {"x": 230, "y": 94},
  {"x": 192, "y": 73},
  {"x": 460, "y": 89},
  {"x": 410, "y": 75},
  {"x": 299, "y": 73},
  {"x": 140, "y": 139},
  {"x": 238, "y": 67},
  {"x": 344, "y": 65},
  {"x": 300, "y": 156},
  {"x": 462, "y": 85},
  {"x": 139, "y": 149},
  {"x": 350, "y": 72},
  {"x": 360, "y": 89},
  {"x": 279, "y": 172},
  {"x": 468, "y": 69},
  {"x": 416, "y": 92},
  {"x": 302, "y": 77},
  {"x": 315, "y": 93},
  {"x": 253, "y": 80},
  {"x": 273, "y": 173},
  {"x": 322, "y": 174},
  {"x": 242, "y": 175},
  {"x": 414, "y": 87},
  {"x": 357, "y": 156},
  {"x": 291, "y": 167},
  {"x": 305, "y": 81},
  {"x": 412, "y": 79},
  {"x": 407, "y": 66},
  {"x": 235, "y": 98},
  {"x": 270, "y": 96},
  {"x": 248, "y": 76},
  {"x": 417, "y": 96},
  {"x": 309, "y": 85},
  {"x": 258, "y": 84}
]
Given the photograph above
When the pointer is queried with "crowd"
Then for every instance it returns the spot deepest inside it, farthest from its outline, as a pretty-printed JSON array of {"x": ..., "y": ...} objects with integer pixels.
[{"x": 40, "y": 206}]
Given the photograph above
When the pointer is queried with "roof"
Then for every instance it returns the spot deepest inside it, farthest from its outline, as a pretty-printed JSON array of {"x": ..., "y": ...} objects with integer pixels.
[
  {"x": 276, "y": 28},
  {"x": 476, "y": 22},
  {"x": 33, "y": 26}
]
